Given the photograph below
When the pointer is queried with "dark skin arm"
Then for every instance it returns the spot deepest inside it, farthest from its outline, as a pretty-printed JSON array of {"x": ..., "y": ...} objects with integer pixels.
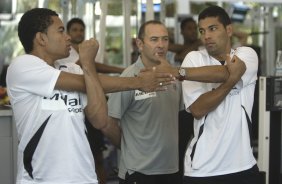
[
  {"x": 214, "y": 74},
  {"x": 228, "y": 74},
  {"x": 145, "y": 81},
  {"x": 97, "y": 109},
  {"x": 210, "y": 100},
  {"x": 103, "y": 68},
  {"x": 113, "y": 131}
]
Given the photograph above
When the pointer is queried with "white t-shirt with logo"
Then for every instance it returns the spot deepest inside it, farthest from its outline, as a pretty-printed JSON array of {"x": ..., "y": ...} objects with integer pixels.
[
  {"x": 53, "y": 146},
  {"x": 221, "y": 144}
]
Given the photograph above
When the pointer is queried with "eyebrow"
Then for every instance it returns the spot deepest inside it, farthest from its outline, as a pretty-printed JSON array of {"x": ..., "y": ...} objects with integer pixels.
[
  {"x": 214, "y": 25},
  {"x": 159, "y": 37},
  {"x": 210, "y": 26}
]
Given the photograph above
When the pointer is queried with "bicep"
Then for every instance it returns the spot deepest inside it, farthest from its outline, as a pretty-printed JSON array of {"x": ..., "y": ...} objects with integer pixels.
[
  {"x": 70, "y": 82},
  {"x": 250, "y": 58}
]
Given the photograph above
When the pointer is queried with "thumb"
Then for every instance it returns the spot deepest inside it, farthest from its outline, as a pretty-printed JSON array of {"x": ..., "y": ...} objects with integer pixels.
[
  {"x": 162, "y": 60},
  {"x": 228, "y": 58}
]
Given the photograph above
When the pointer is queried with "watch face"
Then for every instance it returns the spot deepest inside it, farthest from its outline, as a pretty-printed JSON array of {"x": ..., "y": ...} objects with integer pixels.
[{"x": 182, "y": 72}]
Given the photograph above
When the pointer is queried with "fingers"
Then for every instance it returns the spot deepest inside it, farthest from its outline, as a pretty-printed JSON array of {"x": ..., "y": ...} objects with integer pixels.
[
  {"x": 148, "y": 69},
  {"x": 165, "y": 77},
  {"x": 163, "y": 88},
  {"x": 162, "y": 60},
  {"x": 162, "y": 82}
]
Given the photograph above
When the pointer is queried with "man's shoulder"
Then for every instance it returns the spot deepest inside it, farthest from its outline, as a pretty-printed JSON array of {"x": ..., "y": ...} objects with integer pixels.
[
  {"x": 246, "y": 52},
  {"x": 23, "y": 61},
  {"x": 196, "y": 56},
  {"x": 197, "y": 53},
  {"x": 132, "y": 70},
  {"x": 245, "y": 49}
]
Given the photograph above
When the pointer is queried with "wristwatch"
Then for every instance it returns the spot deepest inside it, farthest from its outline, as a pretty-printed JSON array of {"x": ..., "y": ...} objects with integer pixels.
[{"x": 182, "y": 74}]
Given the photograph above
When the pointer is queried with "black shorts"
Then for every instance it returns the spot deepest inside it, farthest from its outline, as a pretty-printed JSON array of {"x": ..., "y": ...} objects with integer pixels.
[{"x": 250, "y": 176}]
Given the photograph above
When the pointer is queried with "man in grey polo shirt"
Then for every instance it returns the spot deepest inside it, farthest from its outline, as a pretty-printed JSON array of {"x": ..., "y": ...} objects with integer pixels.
[{"x": 148, "y": 121}]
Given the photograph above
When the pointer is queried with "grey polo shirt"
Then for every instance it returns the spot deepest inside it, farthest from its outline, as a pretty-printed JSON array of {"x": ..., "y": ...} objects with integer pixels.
[{"x": 149, "y": 123}]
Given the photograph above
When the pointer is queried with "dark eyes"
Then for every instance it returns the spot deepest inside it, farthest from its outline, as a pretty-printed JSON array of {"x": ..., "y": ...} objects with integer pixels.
[
  {"x": 157, "y": 39},
  {"x": 213, "y": 28},
  {"x": 210, "y": 29}
]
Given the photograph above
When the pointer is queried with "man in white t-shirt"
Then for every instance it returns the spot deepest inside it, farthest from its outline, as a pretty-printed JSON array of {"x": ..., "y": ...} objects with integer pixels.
[
  {"x": 219, "y": 92},
  {"x": 49, "y": 105}
]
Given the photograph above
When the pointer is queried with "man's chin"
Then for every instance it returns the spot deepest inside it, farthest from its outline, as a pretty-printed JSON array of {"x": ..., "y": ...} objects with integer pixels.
[{"x": 65, "y": 55}]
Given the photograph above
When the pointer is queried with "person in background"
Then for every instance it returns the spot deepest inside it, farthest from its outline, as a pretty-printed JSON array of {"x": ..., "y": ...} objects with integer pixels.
[
  {"x": 76, "y": 30},
  {"x": 148, "y": 121},
  {"x": 189, "y": 32},
  {"x": 49, "y": 105}
]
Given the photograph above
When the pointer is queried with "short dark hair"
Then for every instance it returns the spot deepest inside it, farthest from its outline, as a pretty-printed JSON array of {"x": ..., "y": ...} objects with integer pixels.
[
  {"x": 34, "y": 21},
  {"x": 141, "y": 32},
  {"x": 215, "y": 11},
  {"x": 185, "y": 21},
  {"x": 74, "y": 21}
]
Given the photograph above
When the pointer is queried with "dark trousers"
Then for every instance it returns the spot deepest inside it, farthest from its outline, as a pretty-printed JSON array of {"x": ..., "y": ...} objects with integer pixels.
[
  {"x": 250, "y": 176},
  {"x": 139, "y": 178}
]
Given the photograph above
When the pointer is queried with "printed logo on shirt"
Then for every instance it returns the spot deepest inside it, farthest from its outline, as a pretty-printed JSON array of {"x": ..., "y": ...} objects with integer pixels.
[
  {"x": 234, "y": 91},
  {"x": 59, "y": 101},
  {"x": 141, "y": 95}
]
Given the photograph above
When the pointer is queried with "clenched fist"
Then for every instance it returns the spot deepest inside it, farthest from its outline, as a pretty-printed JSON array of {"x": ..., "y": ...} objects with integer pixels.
[{"x": 88, "y": 50}]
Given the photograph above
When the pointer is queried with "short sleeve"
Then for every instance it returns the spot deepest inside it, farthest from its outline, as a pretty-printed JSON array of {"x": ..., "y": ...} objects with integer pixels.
[
  {"x": 250, "y": 58},
  {"x": 119, "y": 102},
  {"x": 29, "y": 74}
]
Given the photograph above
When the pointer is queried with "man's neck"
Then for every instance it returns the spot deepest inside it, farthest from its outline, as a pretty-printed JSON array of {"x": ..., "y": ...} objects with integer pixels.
[
  {"x": 75, "y": 46},
  {"x": 148, "y": 63}
]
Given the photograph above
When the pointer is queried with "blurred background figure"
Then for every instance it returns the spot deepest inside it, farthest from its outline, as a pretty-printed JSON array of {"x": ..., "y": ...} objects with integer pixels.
[{"x": 189, "y": 32}]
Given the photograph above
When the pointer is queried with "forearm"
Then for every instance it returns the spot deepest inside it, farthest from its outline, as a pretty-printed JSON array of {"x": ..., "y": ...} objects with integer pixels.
[
  {"x": 70, "y": 82},
  {"x": 96, "y": 109},
  {"x": 145, "y": 81},
  {"x": 103, "y": 68},
  {"x": 210, "y": 100},
  {"x": 207, "y": 74},
  {"x": 112, "y": 84},
  {"x": 211, "y": 74},
  {"x": 112, "y": 131},
  {"x": 74, "y": 82}
]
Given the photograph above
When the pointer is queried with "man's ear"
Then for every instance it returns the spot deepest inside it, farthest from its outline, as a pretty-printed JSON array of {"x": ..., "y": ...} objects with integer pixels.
[
  {"x": 40, "y": 38},
  {"x": 139, "y": 44},
  {"x": 229, "y": 30}
]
